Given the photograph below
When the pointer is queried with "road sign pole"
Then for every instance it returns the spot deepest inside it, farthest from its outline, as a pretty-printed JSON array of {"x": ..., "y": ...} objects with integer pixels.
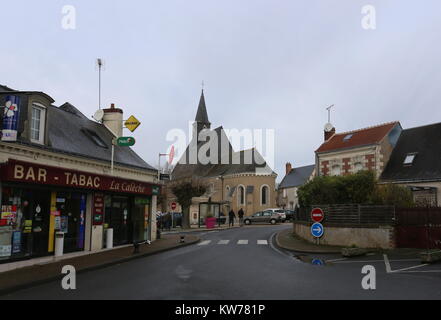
[{"x": 113, "y": 155}]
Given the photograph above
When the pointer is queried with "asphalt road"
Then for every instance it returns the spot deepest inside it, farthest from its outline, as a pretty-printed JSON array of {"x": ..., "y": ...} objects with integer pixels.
[{"x": 242, "y": 264}]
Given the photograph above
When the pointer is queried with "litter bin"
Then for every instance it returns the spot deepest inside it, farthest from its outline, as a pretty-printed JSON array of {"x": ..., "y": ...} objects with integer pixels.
[
  {"x": 109, "y": 238},
  {"x": 59, "y": 243}
]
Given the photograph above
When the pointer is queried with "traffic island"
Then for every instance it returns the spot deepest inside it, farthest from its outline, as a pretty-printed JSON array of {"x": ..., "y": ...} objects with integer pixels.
[
  {"x": 287, "y": 240},
  {"x": 353, "y": 252},
  {"x": 38, "y": 274},
  {"x": 430, "y": 256}
]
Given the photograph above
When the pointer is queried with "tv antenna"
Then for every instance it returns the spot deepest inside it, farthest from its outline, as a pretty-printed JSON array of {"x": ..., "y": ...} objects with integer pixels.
[
  {"x": 100, "y": 64},
  {"x": 329, "y": 112}
]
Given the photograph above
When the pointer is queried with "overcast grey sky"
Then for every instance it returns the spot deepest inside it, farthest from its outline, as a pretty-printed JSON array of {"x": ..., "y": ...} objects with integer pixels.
[{"x": 266, "y": 64}]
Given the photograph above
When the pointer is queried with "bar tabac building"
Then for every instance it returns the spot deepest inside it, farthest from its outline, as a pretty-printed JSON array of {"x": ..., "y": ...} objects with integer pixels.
[{"x": 56, "y": 176}]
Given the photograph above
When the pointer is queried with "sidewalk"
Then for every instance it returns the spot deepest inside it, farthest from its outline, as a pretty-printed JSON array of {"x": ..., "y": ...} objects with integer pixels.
[
  {"x": 285, "y": 239},
  {"x": 38, "y": 274}
]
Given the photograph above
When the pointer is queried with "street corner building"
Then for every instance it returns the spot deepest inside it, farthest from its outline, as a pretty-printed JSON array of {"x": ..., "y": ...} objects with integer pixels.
[
  {"x": 234, "y": 180},
  {"x": 56, "y": 177}
]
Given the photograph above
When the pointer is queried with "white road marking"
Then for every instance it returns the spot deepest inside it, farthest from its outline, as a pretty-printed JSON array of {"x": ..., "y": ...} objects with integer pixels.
[
  {"x": 336, "y": 260},
  {"x": 204, "y": 243},
  {"x": 242, "y": 242},
  {"x": 262, "y": 242},
  {"x": 224, "y": 242},
  {"x": 409, "y": 268},
  {"x": 387, "y": 263},
  {"x": 366, "y": 261}
]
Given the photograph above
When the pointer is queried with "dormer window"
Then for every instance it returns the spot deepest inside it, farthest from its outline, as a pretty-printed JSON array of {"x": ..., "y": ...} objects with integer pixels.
[
  {"x": 410, "y": 157},
  {"x": 38, "y": 122},
  {"x": 347, "y": 137}
]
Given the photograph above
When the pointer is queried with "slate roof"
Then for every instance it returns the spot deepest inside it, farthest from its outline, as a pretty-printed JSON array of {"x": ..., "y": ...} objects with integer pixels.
[
  {"x": 297, "y": 177},
  {"x": 425, "y": 141},
  {"x": 202, "y": 115},
  {"x": 361, "y": 137},
  {"x": 70, "y": 132}
]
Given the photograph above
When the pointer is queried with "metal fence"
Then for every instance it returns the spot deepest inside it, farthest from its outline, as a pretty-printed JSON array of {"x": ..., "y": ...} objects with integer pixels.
[{"x": 350, "y": 214}]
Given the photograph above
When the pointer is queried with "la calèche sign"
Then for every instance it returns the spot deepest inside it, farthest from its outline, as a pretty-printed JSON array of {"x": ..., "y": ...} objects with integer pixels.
[{"x": 20, "y": 171}]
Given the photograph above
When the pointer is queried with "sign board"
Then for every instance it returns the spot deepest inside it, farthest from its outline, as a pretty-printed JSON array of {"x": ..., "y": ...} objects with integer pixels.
[
  {"x": 318, "y": 262},
  {"x": 125, "y": 142},
  {"x": 174, "y": 205},
  {"x": 31, "y": 173},
  {"x": 317, "y": 230},
  {"x": 132, "y": 124},
  {"x": 317, "y": 215},
  {"x": 11, "y": 115},
  {"x": 164, "y": 177},
  {"x": 98, "y": 209}
]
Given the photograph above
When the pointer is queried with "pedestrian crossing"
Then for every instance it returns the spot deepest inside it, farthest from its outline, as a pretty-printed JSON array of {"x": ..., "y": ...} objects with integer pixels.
[{"x": 239, "y": 242}]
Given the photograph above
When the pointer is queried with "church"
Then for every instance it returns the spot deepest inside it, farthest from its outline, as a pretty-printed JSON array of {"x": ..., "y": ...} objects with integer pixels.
[{"x": 234, "y": 179}]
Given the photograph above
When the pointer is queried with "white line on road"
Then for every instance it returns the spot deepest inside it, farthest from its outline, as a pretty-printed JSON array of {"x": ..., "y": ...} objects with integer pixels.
[
  {"x": 336, "y": 260},
  {"x": 204, "y": 243},
  {"x": 387, "y": 263},
  {"x": 224, "y": 242},
  {"x": 242, "y": 242},
  {"x": 409, "y": 268},
  {"x": 262, "y": 242}
]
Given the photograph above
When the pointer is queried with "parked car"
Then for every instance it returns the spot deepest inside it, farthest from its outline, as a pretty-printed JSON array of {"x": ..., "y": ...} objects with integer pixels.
[
  {"x": 280, "y": 212},
  {"x": 290, "y": 215},
  {"x": 263, "y": 217}
]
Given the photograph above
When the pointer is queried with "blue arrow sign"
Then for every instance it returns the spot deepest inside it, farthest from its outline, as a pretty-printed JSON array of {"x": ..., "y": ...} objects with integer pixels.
[
  {"x": 317, "y": 230},
  {"x": 318, "y": 262}
]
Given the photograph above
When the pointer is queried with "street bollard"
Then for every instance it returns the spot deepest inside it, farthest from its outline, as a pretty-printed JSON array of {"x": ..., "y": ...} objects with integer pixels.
[
  {"x": 59, "y": 243},
  {"x": 109, "y": 238}
]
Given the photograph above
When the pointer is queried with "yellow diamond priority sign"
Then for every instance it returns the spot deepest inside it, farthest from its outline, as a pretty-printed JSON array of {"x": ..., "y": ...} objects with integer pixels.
[{"x": 132, "y": 123}]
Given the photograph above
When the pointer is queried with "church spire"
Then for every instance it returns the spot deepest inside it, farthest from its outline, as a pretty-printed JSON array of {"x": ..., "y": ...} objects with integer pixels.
[{"x": 202, "y": 116}]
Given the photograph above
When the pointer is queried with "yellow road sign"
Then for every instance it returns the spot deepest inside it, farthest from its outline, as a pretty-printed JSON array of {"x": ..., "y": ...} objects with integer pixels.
[{"x": 132, "y": 123}]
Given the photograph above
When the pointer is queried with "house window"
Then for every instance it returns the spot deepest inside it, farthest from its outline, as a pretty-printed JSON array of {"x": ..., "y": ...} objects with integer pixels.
[
  {"x": 264, "y": 195},
  {"x": 410, "y": 157},
  {"x": 38, "y": 116},
  {"x": 358, "y": 166},
  {"x": 241, "y": 195},
  {"x": 336, "y": 170}
]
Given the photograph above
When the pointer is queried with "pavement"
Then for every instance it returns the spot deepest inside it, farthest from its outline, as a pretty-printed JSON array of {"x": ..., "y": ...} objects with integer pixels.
[
  {"x": 34, "y": 275},
  {"x": 246, "y": 264},
  {"x": 196, "y": 229}
]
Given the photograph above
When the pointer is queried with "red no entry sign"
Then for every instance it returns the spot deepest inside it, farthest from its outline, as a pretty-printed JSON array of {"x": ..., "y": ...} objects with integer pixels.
[
  {"x": 317, "y": 215},
  {"x": 173, "y": 205}
]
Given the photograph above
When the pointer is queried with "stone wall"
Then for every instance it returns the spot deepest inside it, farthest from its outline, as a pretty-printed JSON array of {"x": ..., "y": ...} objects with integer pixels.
[{"x": 363, "y": 237}]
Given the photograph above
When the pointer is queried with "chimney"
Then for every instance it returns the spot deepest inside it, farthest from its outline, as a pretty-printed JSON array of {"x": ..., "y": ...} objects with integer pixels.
[
  {"x": 113, "y": 120},
  {"x": 288, "y": 168},
  {"x": 329, "y": 134}
]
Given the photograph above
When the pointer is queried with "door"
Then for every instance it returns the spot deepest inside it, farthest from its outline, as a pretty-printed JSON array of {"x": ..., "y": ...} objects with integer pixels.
[
  {"x": 120, "y": 221},
  {"x": 72, "y": 207},
  {"x": 40, "y": 209}
]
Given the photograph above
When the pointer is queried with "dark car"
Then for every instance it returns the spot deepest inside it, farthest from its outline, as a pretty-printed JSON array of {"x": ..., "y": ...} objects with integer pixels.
[{"x": 290, "y": 215}]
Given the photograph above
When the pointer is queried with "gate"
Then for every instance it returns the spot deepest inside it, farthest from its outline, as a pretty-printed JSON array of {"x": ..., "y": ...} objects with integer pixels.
[{"x": 418, "y": 228}]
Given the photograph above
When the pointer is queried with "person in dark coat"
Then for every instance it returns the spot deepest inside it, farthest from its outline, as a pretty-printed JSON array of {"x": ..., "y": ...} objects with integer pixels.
[
  {"x": 232, "y": 217},
  {"x": 241, "y": 214}
]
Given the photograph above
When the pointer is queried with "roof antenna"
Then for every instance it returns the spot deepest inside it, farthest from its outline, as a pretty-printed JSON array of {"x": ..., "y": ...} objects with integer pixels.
[
  {"x": 329, "y": 112},
  {"x": 100, "y": 64}
]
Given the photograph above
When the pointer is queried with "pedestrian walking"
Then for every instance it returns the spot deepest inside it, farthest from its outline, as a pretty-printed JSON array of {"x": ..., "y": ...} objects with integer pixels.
[
  {"x": 241, "y": 214},
  {"x": 231, "y": 216}
]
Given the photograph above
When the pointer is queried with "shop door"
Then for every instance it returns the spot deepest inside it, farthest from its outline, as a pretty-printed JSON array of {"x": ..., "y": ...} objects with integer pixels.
[
  {"x": 120, "y": 221},
  {"x": 40, "y": 208},
  {"x": 72, "y": 207}
]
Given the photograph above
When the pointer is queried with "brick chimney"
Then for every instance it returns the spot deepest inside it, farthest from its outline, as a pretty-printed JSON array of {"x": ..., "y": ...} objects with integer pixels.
[
  {"x": 329, "y": 134},
  {"x": 113, "y": 120},
  {"x": 288, "y": 168}
]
